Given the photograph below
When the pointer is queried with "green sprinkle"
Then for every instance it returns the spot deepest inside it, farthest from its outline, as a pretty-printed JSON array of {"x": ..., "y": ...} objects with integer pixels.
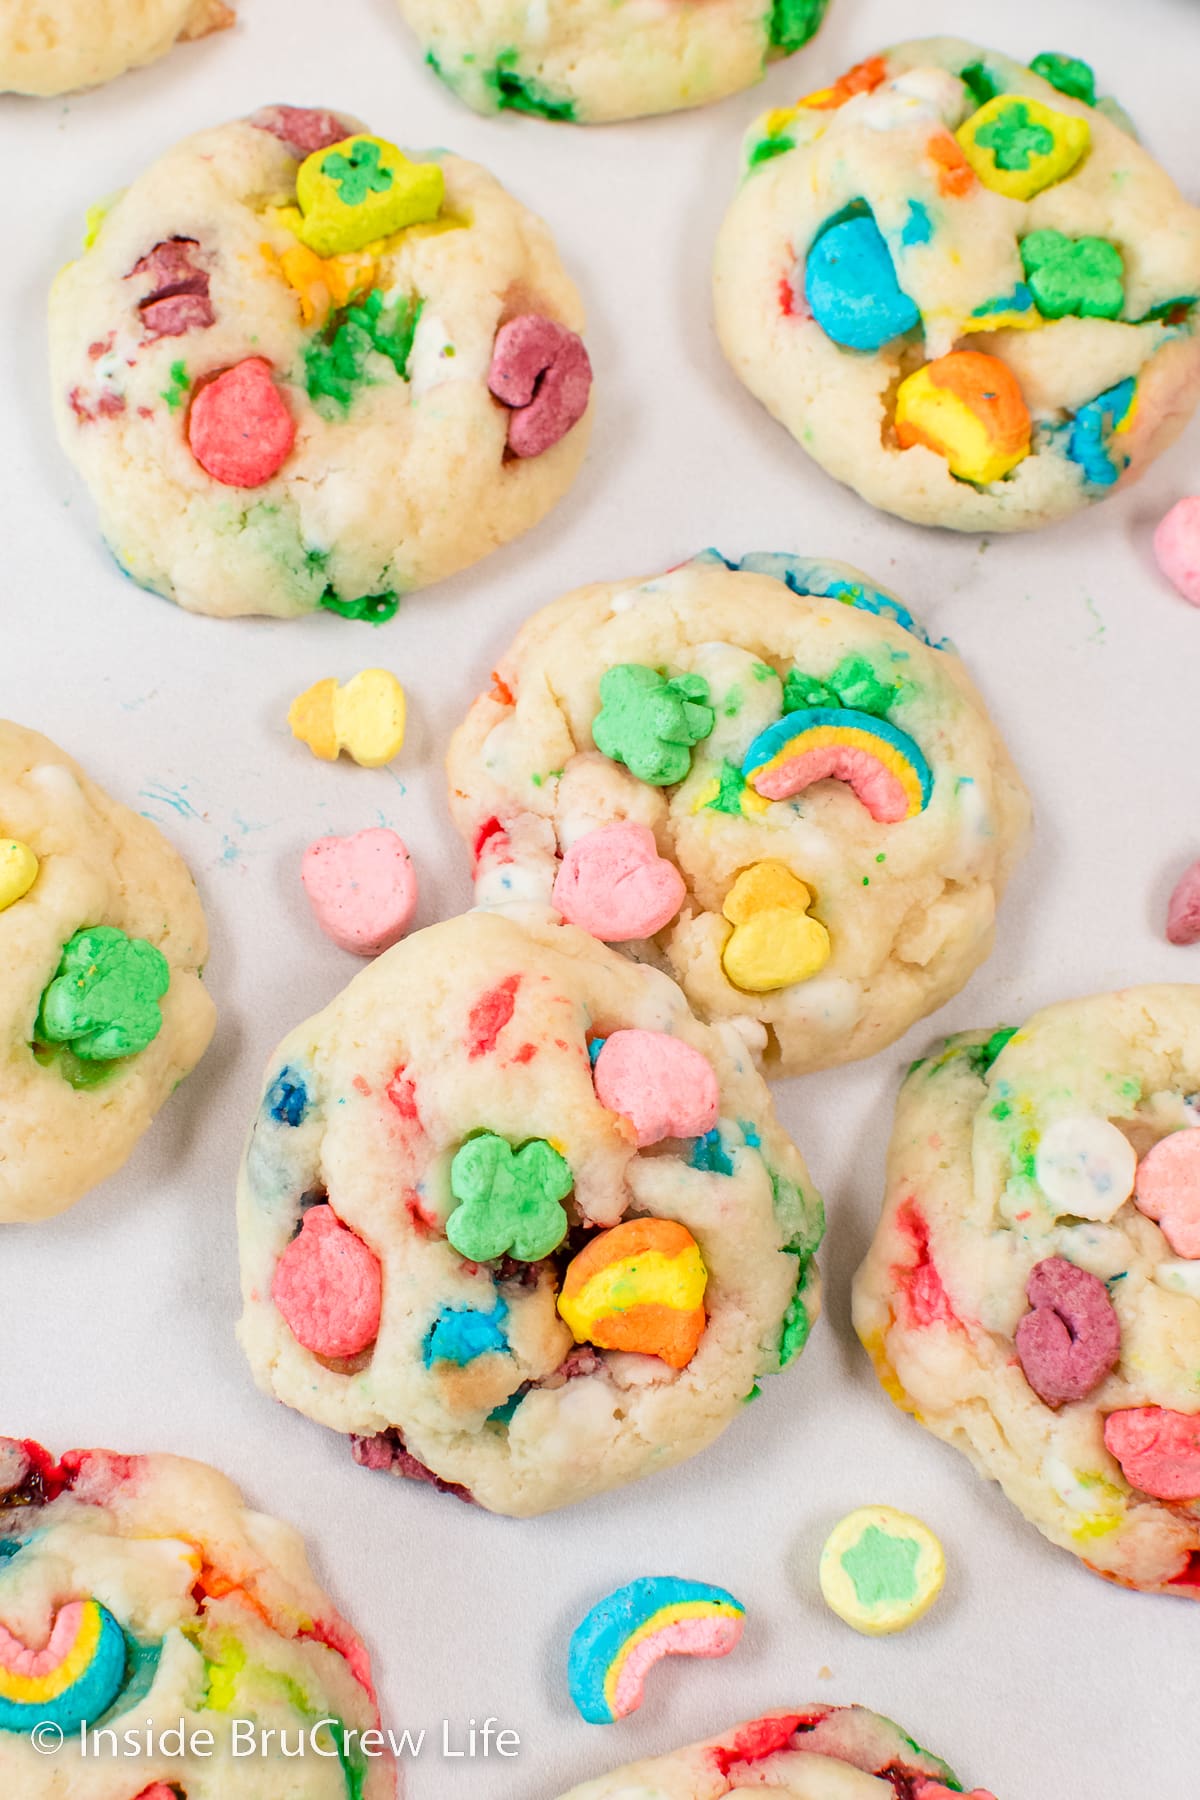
[
  {"x": 793, "y": 22},
  {"x": 177, "y": 386},
  {"x": 768, "y": 147},
  {"x": 375, "y": 609},
  {"x": 882, "y": 857}
]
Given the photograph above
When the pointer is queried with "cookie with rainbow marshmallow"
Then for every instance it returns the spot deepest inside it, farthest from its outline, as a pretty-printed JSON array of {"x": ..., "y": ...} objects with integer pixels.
[
  {"x": 591, "y": 61},
  {"x": 762, "y": 776},
  {"x": 1033, "y": 1291},
  {"x": 102, "y": 945},
  {"x": 963, "y": 286},
  {"x": 56, "y": 46},
  {"x": 300, "y": 369},
  {"x": 139, "y": 1593},
  {"x": 517, "y": 1222},
  {"x": 815, "y": 1753}
]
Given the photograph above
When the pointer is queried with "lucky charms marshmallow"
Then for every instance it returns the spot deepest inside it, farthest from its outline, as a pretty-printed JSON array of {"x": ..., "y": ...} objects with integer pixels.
[
  {"x": 299, "y": 368},
  {"x": 761, "y": 775},
  {"x": 965, "y": 288},
  {"x": 815, "y": 1753},
  {"x": 596, "y": 60},
  {"x": 518, "y": 1223},
  {"x": 102, "y": 944},
  {"x": 139, "y": 1596},
  {"x": 1033, "y": 1292},
  {"x": 53, "y": 46}
]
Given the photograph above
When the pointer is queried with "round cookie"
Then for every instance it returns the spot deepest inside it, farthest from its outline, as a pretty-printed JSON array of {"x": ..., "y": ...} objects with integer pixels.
[
  {"x": 1033, "y": 1291},
  {"x": 298, "y": 369},
  {"x": 139, "y": 1595},
  {"x": 821, "y": 1753},
  {"x": 591, "y": 61},
  {"x": 970, "y": 294},
  {"x": 495, "y": 1280},
  {"x": 54, "y": 46},
  {"x": 102, "y": 940},
  {"x": 762, "y": 775}
]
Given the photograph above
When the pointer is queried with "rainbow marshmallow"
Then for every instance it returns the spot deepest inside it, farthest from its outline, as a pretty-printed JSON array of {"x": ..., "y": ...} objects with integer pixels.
[
  {"x": 73, "y": 1680},
  {"x": 621, "y": 1639},
  {"x": 878, "y": 761}
]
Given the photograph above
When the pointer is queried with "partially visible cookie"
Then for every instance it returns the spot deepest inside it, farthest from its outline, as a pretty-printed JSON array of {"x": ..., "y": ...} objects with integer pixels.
[
  {"x": 596, "y": 60},
  {"x": 762, "y": 776},
  {"x": 963, "y": 286},
  {"x": 817, "y": 1753},
  {"x": 102, "y": 944},
  {"x": 138, "y": 1594},
  {"x": 516, "y": 1222},
  {"x": 55, "y": 46},
  {"x": 299, "y": 369},
  {"x": 1032, "y": 1295}
]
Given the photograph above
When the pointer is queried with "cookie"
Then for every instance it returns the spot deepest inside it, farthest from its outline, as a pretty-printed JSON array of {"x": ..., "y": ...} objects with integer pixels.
[
  {"x": 966, "y": 290},
  {"x": 139, "y": 1595},
  {"x": 761, "y": 775},
  {"x": 55, "y": 46},
  {"x": 597, "y": 60},
  {"x": 481, "y": 1239},
  {"x": 1033, "y": 1291},
  {"x": 299, "y": 369},
  {"x": 102, "y": 943},
  {"x": 821, "y": 1753}
]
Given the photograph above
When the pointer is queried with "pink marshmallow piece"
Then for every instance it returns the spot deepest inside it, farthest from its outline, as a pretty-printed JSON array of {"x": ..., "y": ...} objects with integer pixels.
[
  {"x": 1177, "y": 547},
  {"x": 614, "y": 884},
  {"x": 877, "y": 788},
  {"x": 1071, "y": 1339},
  {"x": 934, "y": 1790},
  {"x": 1183, "y": 909},
  {"x": 1159, "y": 1450},
  {"x": 688, "y": 1637},
  {"x": 18, "y": 1659},
  {"x": 1168, "y": 1189},
  {"x": 542, "y": 372},
  {"x": 328, "y": 1287},
  {"x": 239, "y": 428},
  {"x": 660, "y": 1084},
  {"x": 303, "y": 129},
  {"x": 159, "y": 1791},
  {"x": 362, "y": 889}
]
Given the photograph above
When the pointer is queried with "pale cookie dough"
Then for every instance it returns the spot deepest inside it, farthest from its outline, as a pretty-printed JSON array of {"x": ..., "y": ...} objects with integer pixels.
[
  {"x": 358, "y": 450},
  {"x": 820, "y": 1753},
  {"x": 154, "y": 1600},
  {"x": 986, "y": 333},
  {"x": 54, "y": 46},
  {"x": 596, "y": 60},
  {"x": 886, "y": 917},
  {"x": 1032, "y": 1295},
  {"x": 448, "y": 1094},
  {"x": 73, "y": 1106}
]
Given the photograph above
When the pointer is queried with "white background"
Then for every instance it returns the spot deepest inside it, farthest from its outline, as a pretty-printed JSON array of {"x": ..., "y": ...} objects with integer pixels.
[{"x": 1031, "y": 1676}]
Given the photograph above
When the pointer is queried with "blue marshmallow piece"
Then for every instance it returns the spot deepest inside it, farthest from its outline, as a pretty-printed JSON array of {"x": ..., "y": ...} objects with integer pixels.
[{"x": 851, "y": 286}]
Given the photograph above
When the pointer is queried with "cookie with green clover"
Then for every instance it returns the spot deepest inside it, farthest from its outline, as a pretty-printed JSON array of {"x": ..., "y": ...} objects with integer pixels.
[
  {"x": 963, "y": 286},
  {"x": 102, "y": 945},
  {"x": 354, "y": 369},
  {"x": 595, "y": 60},
  {"x": 516, "y": 1222},
  {"x": 761, "y": 775}
]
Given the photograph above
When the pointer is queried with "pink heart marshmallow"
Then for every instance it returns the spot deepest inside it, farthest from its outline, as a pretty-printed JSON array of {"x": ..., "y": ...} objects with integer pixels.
[{"x": 362, "y": 889}]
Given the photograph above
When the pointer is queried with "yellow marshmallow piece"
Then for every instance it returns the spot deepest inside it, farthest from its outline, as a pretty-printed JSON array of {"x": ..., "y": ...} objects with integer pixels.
[
  {"x": 361, "y": 189},
  {"x": 322, "y": 285},
  {"x": 774, "y": 943},
  {"x": 1017, "y": 146},
  {"x": 366, "y": 718},
  {"x": 18, "y": 871},
  {"x": 881, "y": 1570}
]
